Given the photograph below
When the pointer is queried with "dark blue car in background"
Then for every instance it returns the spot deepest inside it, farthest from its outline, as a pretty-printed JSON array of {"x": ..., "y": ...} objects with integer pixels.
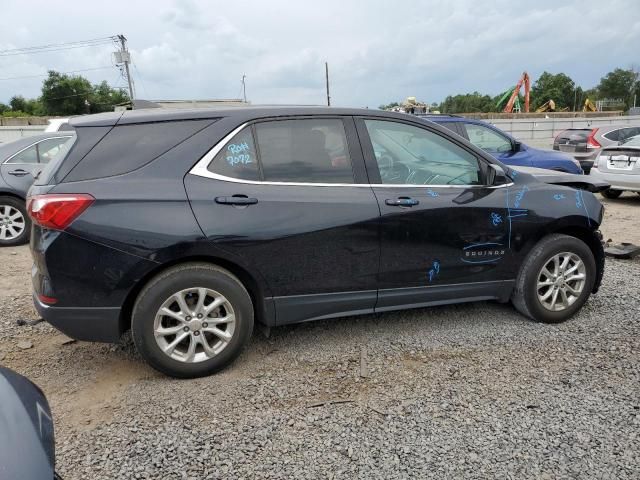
[{"x": 503, "y": 146}]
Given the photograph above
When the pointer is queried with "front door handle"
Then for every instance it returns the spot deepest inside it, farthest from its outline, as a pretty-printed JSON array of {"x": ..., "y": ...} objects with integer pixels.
[
  {"x": 401, "y": 202},
  {"x": 236, "y": 200},
  {"x": 18, "y": 173}
]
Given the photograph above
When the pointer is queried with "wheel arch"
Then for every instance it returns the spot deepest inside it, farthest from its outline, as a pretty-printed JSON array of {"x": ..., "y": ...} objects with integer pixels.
[
  {"x": 12, "y": 194},
  {"x": 592, "y": 238},
  {"x": 264, "y": 312}
]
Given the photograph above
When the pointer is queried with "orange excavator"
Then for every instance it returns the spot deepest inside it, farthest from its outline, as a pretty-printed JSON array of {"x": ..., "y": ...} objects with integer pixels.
[{"x": 524, "y": 80}]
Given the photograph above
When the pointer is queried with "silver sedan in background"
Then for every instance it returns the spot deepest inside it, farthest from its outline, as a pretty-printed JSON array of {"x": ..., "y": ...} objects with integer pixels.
[
  {"x": 619, "y": 166},
  {"x": 585, "y": 143}
]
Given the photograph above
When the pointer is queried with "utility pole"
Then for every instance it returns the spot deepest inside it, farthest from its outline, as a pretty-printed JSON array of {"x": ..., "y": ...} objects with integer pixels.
[
  {"x": 244, "y": 88},
  {"x": 326, "y": 74},
  {"x": 125, "y": 58}
]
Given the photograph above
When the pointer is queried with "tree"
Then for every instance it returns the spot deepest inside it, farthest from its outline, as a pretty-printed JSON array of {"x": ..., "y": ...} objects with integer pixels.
[
  {"x": 622, "y": 84},
  {"x": 18, "y": 103},
  {"x": 103, "y": 98},
  {"x": 389, "y": 106},
  {"x": 65, "y": 95},
  {"x": 4, "y": 108},
  {"x": 559, "y": 88},
  {"x": 467, "y": 103}
]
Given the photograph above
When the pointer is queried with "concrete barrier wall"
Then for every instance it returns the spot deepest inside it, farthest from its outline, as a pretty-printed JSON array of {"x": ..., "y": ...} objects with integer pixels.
[
  {"x": 540, "y": 132},
  {"x": 14, "y": 132}
]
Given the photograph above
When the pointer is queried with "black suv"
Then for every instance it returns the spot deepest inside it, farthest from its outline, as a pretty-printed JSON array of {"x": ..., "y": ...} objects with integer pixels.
[{"x": 189, "y": 226}]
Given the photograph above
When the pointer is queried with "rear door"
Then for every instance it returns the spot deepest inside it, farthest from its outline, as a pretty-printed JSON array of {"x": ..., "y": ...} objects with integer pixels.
[
  {"x": 444, "y": 234},
  {"x": 20, "y": 170},
  {"x": 290, "y": 198}
]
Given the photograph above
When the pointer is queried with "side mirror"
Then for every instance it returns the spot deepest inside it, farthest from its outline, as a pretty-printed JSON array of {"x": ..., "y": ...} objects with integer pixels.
[
  {"x": 517, "y": 146},
  {"x": 496, "y": 175}
]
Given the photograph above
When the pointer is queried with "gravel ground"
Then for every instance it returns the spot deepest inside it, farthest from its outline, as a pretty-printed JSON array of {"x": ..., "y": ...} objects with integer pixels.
[{"x": 473, "y": 391}]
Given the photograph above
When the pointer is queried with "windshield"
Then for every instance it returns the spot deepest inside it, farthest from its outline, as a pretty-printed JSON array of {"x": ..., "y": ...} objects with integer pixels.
[{"x": 633, "y": 141}]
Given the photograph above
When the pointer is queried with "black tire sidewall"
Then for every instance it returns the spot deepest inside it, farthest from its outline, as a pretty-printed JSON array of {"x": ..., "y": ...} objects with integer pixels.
[
  {"x": 565, "y": 244},
  {"x": 24, "y": 236},
  {"x": 611, "y": 194},
  {"x": 166, "y": 285}
]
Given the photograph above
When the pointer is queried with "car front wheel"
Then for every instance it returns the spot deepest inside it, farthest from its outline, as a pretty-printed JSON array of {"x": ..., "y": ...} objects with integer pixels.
[
  {"x": 555, "y": 280},
  {"x": 192, "y": 320}
]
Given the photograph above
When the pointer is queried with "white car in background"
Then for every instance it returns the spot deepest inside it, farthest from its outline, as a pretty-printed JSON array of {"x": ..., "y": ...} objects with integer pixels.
[
  {"x": 619, "y": 166},
  {"x": 57, "y": 125}
]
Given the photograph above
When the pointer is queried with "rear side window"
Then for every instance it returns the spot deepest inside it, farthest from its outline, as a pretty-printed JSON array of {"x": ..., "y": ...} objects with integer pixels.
[
  {"x": 305, "y": 150},
  {"x": 238, "y": 158},
  {"x": 28, "y": 155},
  {"x": 613, "y": 135},
  {"x": 128, "y": 147}
]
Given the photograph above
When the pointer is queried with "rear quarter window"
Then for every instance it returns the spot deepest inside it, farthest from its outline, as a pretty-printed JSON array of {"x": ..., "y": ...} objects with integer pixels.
[{"x": 128, "y": 147}]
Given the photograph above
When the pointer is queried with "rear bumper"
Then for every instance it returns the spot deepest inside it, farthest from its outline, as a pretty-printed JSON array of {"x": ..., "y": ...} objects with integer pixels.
[
  {"x": 92, "y": 324},
  {"x": 618, "y": 181}
]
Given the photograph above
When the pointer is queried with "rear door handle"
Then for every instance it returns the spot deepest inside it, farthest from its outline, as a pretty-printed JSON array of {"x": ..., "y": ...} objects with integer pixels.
[
  {"x": 18, "y": 173},
  {"x": 236, "y": 200},
  {"x": 401, "y": 202}
]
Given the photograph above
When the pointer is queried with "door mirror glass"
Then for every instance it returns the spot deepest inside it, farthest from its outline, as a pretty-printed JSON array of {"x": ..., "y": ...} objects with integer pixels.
[
  {"x": 409, "y": 155},
  {"x": 496, "y": 175}
]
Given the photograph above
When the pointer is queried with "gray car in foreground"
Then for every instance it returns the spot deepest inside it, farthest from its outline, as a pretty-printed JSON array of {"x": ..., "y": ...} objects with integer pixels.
[
  {"x": 20, "y": 163},
  {"x": 585, "y": 143},
  {"x": 619, "y": 166}
]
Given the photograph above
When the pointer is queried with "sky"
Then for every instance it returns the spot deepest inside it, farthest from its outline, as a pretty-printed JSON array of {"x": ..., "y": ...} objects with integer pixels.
[{"x": 378, "y": 51}]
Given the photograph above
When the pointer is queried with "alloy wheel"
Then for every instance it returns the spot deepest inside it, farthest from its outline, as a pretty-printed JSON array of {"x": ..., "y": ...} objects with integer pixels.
[
  {"x": 12, "y": 222},
  {"x": 194, "y": 325},
  {"x": 561, "y": 281}
]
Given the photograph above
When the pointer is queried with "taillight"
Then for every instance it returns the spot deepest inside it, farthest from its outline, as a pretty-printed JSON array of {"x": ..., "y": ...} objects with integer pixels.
[
  {"x": 57, "y": 211},
  {"x": 591, "y": 141}
]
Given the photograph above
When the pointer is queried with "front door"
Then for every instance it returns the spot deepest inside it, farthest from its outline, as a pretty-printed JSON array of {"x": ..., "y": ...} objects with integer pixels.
[
  {"x": 281, "y": 195},
  {"x": 444, "y": 234}
]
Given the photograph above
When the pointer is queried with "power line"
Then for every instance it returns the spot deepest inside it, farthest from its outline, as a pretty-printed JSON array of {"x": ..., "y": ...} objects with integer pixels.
[
  {"x": 54, "y": 47},
  {"x": 63, "y": 73}
]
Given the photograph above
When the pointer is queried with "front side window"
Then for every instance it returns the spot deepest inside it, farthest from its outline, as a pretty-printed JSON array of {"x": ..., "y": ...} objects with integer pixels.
[
  {"x": 408, "y": 155},
  {"x": 487, "y": 139},
  {"x": 238, "y": 158},
  {"x": 28, "y": 155},
  {"x": 304, "y": 151}
]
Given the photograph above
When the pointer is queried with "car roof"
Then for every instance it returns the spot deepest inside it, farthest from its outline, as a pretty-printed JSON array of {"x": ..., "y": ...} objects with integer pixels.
[
  {"x": 603, "y": 127},
  {"x": 245, "y": 113}
]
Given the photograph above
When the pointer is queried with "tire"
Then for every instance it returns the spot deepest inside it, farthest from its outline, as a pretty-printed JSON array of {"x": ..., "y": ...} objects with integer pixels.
[
  {"x": 15, "y": 224},
  {"x": 150, "y": 329},
  {"x": 608, "y": 193},
  {"x": 525, "y": 297}
]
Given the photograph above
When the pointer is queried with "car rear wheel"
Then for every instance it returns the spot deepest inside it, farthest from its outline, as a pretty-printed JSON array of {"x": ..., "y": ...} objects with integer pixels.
[
  {"x": 15, "y": 224},
  {"x": 555, "y": 280},
  {"x": 608, "y": 193},
  {"x": 192, "y": 320}
]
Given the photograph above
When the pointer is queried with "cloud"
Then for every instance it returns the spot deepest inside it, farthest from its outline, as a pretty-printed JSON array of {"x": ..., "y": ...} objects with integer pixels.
[{"x": 378, "y": 51}]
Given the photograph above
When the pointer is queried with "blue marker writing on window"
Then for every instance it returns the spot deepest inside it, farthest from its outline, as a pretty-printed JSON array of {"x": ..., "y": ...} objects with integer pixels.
[{"x": 496, "y": 219}]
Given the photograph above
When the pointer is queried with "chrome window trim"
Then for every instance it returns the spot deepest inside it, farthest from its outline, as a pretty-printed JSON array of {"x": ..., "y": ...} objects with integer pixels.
[
  {"x": 200, "y": 169},
  {"x": 29, "y": 146}
]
